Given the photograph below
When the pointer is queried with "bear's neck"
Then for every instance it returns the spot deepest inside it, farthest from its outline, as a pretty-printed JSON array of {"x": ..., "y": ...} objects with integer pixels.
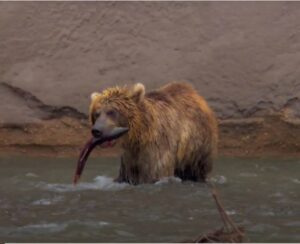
[{"x": 140, "y": 127}]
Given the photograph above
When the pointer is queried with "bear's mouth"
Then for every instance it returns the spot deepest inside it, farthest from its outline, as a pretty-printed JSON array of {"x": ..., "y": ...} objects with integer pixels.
[
  {"x": 106, "y": 140},
  {"x": 108, "y": 144}
]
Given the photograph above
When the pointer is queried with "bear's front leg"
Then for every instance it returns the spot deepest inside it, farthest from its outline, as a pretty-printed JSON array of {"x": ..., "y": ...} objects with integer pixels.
[
  {"x": 122, "y": 177},
  {"x": 156, "y": 165},
  {"x": 128, "y": 173}
]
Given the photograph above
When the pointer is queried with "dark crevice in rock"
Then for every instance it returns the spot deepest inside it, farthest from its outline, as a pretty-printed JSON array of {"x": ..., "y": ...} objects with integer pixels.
[
  {"x": 47, "y": 111},
  {"x": 13, "y": 126},
  {"x": 292, "y": 102}
]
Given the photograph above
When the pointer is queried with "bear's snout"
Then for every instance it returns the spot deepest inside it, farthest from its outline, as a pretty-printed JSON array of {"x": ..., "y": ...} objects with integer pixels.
[{"x": 96, "y": 132}]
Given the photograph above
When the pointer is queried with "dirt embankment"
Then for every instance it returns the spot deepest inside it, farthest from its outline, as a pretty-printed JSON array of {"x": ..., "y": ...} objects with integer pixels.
[{"x": 65, "y": 136}]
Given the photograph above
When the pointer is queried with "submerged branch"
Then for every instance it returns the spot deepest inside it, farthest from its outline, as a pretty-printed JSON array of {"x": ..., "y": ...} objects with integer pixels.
[{"x": 229, "y": 233}]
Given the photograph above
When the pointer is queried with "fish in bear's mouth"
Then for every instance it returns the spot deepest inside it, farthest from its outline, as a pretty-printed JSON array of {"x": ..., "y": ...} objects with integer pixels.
[
  {"x": 108, "y": 144},
  {"x": 106, "y": 140}
]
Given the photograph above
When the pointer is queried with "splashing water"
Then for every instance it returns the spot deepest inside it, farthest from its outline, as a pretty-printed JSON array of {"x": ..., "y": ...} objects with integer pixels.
[{"x": 103, "y": 183}]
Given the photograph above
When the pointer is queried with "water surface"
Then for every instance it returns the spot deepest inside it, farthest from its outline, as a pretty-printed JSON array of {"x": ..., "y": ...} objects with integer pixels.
[{"x": 38, "y": 203}]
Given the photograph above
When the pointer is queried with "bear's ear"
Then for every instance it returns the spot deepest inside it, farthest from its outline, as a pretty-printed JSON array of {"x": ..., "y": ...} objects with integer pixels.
[
  {"x": 138, "y": 92},
  {"x": 94, "y": 95}
]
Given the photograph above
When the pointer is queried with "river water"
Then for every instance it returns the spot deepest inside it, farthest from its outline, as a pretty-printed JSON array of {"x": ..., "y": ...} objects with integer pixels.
[{"x": 38, "y": 203}]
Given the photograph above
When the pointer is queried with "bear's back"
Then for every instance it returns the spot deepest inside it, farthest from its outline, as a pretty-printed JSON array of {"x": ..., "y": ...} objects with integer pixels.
[{"x": 171, "y": 91}]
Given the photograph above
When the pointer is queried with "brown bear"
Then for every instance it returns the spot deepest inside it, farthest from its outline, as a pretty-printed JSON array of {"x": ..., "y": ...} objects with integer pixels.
[{"x": 171, "y": 131}]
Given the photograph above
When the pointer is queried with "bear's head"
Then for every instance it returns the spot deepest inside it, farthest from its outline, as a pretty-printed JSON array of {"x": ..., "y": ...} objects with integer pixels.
[
  {"x": 113, "y": 113},
  {"x": 114, "y": 110}
]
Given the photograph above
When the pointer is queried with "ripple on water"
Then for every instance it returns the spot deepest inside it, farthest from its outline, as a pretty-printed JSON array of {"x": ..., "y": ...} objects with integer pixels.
[
  {"x": 248, "y": 175},
  {"x": 293, "y": 224},
  {"x": 124, "y": 233},
  {"x": 277, "y": 195},
  {"x": 268, "y": 213},
  {"x": 46, "y": 228},
  {"x": 262, "y": 228},
  {"x": 42, "y": 228},
  {"x": 49, "y": 227},
  {"x": 100, "y": 183}
]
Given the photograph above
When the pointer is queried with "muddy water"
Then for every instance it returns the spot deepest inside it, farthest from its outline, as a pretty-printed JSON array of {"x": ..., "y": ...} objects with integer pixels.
[{"x": 39, "y": 204}]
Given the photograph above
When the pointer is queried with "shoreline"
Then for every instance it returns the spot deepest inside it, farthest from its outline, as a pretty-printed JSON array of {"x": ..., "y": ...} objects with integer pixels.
[
  {"x": 272, "y": 136},
  {"x": 73, "y": 152}
]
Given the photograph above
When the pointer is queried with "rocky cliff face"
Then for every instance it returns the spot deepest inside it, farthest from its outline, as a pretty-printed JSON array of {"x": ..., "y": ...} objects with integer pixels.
[{"x": 243, "y": 57}]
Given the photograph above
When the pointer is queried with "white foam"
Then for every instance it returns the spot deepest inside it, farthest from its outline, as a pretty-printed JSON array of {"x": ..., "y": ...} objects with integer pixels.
[
  {"x": 95, "y": 223},
  {"x": 268, "y": 213},
  {"x": 231, "y": 212},
  {"x": 219, "y": 179},
  {"x": 166, "y": 180},
  {"x": 45, "y": 227},
  {"x": 46, "y": 202},
  {"x": 100, "y": 183},
  {"x": 91, "y": 224},
  {"x": 33, "y": 175},
  {"x": 296, "y": 181},
  {"x": 42, "y": 202}
]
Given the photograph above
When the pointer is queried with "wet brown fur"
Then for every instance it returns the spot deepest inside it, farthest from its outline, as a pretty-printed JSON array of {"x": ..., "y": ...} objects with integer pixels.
[{"x": 172, "y": 132}]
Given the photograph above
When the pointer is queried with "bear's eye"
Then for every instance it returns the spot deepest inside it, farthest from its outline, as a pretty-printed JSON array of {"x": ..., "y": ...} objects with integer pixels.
[
  {"x": 97, "y": 114},
  {"x": 111, "y": 113}
]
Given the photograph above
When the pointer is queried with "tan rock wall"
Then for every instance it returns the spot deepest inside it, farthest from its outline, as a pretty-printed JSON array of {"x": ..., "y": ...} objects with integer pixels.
[{"x": 243, "y": 57}]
